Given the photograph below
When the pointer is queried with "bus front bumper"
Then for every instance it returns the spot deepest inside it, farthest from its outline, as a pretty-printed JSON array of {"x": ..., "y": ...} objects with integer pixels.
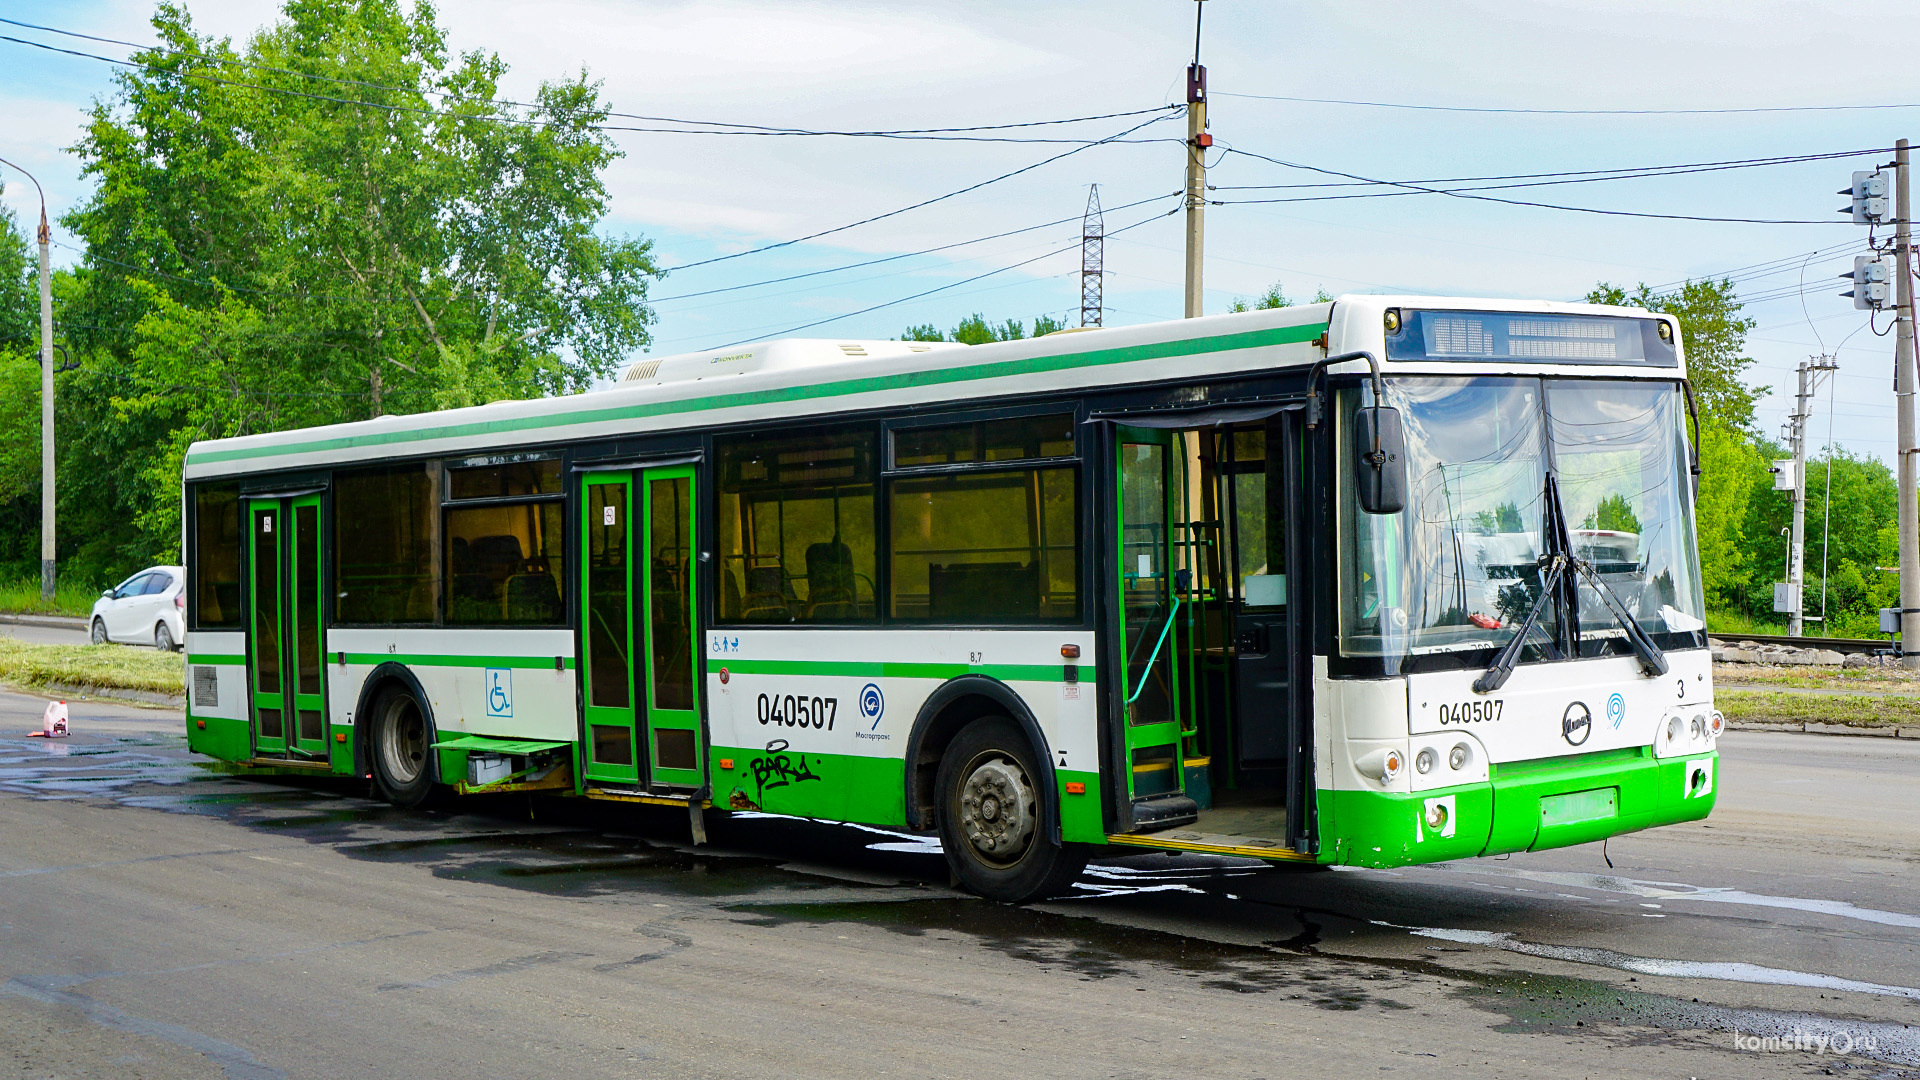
[{"x": 1529, "y": 806}]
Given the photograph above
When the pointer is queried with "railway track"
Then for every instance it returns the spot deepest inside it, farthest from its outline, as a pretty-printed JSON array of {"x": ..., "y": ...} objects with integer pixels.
[{"x": 1840, "y": 645}]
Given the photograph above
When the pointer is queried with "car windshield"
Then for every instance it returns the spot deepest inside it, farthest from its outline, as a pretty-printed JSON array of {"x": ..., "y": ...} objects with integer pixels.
[{"x": 1454, "y": 574}]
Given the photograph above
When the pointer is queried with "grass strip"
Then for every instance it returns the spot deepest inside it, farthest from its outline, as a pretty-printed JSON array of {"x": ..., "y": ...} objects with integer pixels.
[
  {"x": 106, "y": 667},
  {"x": 1764, "y": 707},
  {"x": 21, "y": 596}
]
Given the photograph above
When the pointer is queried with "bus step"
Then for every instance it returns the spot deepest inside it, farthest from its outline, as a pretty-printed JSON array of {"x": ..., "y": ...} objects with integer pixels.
[
  {"x": 638, "y": 796},
  {"x": 1164, "y": 812}
]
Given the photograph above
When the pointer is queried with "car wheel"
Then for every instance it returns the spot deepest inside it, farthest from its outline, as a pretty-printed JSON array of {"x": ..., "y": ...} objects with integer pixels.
[
  {"x": 991, "y": 823},
  {"x": 163, "y": 638},
  {"x": 400, "y": 742},
  {"x": 99, "y": 635}
]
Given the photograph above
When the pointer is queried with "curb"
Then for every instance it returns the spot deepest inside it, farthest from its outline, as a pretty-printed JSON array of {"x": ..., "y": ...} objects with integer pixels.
[
  {"x": 74, "y": 692},
  {"x": 1809, "y": 728},
  {"x": 63, "y": 622}
]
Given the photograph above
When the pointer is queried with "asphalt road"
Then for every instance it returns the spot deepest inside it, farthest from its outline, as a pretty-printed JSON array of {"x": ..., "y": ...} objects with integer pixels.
[
  {"x": 161, "y": 918},
  {"x": 43, "y": 634}
]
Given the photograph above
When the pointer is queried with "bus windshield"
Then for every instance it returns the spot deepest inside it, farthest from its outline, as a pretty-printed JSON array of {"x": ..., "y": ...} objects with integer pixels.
[{"x": 1455, "y": 573}]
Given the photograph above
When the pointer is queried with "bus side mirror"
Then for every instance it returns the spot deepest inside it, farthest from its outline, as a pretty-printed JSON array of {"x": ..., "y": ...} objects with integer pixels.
[{"x": 1380, "y": 460}]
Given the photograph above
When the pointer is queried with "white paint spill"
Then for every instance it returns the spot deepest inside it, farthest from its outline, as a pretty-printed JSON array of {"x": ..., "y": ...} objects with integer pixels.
[
  {"x": 1725, "y": 971},
  {"x": 1670, "y": 891}
]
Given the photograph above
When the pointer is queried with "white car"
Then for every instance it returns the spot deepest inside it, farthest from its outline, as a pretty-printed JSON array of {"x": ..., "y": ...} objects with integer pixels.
[{"x": 150, "y": 606}]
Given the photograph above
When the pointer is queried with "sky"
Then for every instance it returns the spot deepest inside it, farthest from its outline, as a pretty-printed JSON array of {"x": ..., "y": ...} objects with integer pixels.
[{"x": 862, "y": 65}]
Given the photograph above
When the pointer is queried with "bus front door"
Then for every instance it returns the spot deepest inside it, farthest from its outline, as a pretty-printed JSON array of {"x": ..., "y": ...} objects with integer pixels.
[
  {"x": 1150, "y": 596},
  {"x": 287, "y": 643},
  {"x": 642, "y": 711}
]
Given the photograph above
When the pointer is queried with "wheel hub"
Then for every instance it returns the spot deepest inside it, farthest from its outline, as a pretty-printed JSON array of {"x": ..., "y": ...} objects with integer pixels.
[{"x": 997, "y": 810}]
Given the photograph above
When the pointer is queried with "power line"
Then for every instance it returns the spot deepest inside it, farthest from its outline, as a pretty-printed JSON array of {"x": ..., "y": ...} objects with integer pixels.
[
  {"x": 1570, "y": 112},
  {"x": 1584, "y": 176},
  {"x": 895, "y": 258},
  {"x": 1509, "y": 202},
  {"x": 915, "y": 206},
  {"x": 930, "y": 292},
  {"x": 690, "y": 127}
]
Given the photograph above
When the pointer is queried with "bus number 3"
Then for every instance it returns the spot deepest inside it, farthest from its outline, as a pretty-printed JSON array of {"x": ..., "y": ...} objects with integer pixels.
[{"x": 798, "y": 711}]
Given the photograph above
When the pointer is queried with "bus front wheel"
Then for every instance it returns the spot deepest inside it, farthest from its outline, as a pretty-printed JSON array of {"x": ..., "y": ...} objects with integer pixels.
[
  {"x": 400, "y": 742},
  {"x": 991, "y": 826}
]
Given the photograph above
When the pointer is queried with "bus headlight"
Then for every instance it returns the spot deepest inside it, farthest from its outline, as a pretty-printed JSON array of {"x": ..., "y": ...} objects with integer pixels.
[
  {"x": 1460, "y": 757},
  {"x": 1699, "y": 725},
  {"x": 1437, "y": 816},
  {"x": 1675, "y": 728},
  {"x": 1425, "y": 760}
]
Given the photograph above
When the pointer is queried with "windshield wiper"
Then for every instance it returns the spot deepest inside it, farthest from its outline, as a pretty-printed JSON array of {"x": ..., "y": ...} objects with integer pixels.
[{"x": 1554, "y": 566}]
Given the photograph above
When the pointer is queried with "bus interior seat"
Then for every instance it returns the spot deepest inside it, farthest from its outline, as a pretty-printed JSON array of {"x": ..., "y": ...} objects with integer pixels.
[
  {"x": 830, "y": 585},
  {"x": 533, "y": 597},
  {"x": 983, "y": 590},
  {"x": 766, "y": 595},
  {"x": 729, "y": 593},
  {"x": 496, "y": 556}
]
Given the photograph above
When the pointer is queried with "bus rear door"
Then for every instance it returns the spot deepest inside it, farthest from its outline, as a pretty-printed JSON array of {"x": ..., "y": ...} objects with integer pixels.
[{"x": 287, "y": 639}]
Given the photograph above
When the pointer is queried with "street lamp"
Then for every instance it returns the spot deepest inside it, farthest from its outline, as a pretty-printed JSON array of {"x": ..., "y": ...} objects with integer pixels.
[{"x": 46, "y": 391}]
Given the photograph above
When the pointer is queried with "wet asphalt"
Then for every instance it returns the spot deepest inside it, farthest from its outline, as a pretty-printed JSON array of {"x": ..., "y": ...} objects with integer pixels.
[{"x": 164, "y": 917}]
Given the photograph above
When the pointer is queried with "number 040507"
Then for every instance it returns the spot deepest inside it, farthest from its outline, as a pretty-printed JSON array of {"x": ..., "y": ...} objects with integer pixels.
[{"x": 797, "y": 710}]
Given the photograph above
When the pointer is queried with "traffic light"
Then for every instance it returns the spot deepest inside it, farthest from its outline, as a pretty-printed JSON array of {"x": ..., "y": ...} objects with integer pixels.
[
  {"x": 1870, "y": 277},
  {"x": 1870, "y": 204}
]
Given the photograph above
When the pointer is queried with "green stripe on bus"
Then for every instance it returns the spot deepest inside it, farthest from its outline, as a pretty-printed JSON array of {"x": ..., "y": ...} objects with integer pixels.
[
  {"x": 1158, "y": 350},
  {"x": 198, "y": 658},
  {"x": 428, "y": 660},
  {"x": 875, "y": 669}
]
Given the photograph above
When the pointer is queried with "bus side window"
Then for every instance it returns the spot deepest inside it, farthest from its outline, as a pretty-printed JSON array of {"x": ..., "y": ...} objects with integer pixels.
[
  {"x": 384, "y": 523},
  {"x": 795, "y": 527},
  {"x": 214, "y": 572}
]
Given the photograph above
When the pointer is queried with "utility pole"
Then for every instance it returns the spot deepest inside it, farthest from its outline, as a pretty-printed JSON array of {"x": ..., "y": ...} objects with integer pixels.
[
  {"x": 1092, "y": 240},
  {"x": 1198, "y": 141},
  {"x": 1796, "y": 433},
  {"x": 46, "y": 391},
  {"x": 1903, "y": 388}
]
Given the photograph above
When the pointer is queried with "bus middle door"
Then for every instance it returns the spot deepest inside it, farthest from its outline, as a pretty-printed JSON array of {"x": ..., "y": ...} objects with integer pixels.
[{"x": 642, "y": 708}]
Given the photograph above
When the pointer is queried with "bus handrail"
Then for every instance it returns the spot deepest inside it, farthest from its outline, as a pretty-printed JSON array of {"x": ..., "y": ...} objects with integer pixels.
[{"x": 1164, "y": 631}]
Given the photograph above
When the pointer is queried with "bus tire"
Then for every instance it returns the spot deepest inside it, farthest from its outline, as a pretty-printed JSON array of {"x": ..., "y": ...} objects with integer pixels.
[
  {"x": 990, "y": 820},
  {"x": 400, "y": 746}
]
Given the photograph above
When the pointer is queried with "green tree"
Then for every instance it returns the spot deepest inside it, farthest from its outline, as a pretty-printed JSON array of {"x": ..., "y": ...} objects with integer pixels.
[
  {"x": 1613, "y": 514},
  {"x": 976, "y": 330},
  {"x": 1274, "y": 297},
  {"x": 1731, "y": 470},
  {"x": 1714, "y": 335},
  {"x": 277, "y": 251}
]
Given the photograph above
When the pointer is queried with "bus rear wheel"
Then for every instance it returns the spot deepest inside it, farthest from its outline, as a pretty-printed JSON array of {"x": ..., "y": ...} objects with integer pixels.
[
  {"x": 991, "y": 826},
  {"x": 400, "y": 742}
]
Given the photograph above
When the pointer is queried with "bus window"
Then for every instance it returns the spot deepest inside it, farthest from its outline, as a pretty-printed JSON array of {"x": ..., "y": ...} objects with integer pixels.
[
  {"x": 993, "y": 547},
  {"x": 215, "y": 567},
  {"x": 383, "y": 541},
  {"x": 1018, "y": 438},
  {"x": 505, "y": 558},
  {"x": 1259, "y": 523},
  {"x": 795, "y": 532},
  {"x": 505, "y": 563}
]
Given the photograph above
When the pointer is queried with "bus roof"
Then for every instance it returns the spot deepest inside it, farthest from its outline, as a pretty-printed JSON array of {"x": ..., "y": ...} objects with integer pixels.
[{"x": 777, "y": 379}]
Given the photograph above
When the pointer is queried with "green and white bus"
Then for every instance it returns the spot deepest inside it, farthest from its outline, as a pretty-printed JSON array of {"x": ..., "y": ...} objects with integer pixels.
[{"x": 1379, "y": 581}]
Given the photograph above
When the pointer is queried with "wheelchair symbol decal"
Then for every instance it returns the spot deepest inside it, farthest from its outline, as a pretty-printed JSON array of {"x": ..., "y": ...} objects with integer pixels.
[{"x": 499, "y": 692}]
